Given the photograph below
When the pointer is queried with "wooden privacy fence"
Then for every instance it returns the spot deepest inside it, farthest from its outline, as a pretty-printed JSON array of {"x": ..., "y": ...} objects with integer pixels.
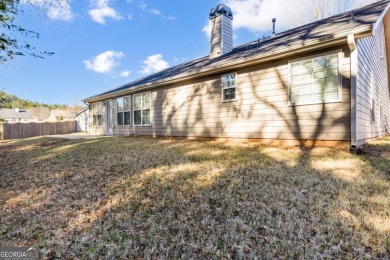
[{"x": 23, "y": 130}]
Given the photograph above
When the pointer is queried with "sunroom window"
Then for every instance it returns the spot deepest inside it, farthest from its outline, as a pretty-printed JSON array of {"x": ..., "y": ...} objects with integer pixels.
[
  {"x": 141, "y": 108},
  {"x": 315, "y": 80},
  {"x": 97, "y": 111},
  {"x": 123, "y": 110}
]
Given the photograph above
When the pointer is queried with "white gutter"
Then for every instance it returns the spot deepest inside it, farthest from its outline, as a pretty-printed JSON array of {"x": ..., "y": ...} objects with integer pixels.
[
  {"x": 352, "y": 42},
  {"x": 380, "y": 19}
]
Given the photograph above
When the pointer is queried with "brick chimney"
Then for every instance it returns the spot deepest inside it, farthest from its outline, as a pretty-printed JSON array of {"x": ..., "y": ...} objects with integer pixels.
[{"x": 221, "y": 41}]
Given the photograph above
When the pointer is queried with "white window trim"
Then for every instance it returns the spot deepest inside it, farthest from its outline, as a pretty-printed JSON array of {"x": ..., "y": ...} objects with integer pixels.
[
  {"x": 133, "y": 110},
  {"x": 340, "y": 77},
  {"x": 101, "y": 104},
  {"x": 130, "y": 110},
  {"x": 222, "y": 96}
]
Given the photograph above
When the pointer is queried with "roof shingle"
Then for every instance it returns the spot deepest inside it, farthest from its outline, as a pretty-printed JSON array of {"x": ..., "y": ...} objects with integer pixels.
[
  {"x": 294, "y": 38},
  {"x": 6, "y": 113}
]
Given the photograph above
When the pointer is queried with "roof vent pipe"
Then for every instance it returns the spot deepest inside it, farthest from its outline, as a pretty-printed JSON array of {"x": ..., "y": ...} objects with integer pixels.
[{"x": 273, "y": 27}]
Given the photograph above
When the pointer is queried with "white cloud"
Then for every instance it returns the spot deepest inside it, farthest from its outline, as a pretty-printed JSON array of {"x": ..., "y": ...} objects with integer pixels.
[
  {"x": 144, "y": 7},
  {"x": 153, "y": 64},
  {"x": 170, "y": 17},
  {"x": 60, "y": 10},
  {"x": 207, "y": 30},
  {"x": 124, "y": 74},
  {"x": 104, "y": 62},
  {"x": 361, "y": 3},
  {"x": 177, "y": 60},
  {"x": 54, "y": 9},
  {"x": 256, "y": 16},
  {"x": 101, "y": 10}
]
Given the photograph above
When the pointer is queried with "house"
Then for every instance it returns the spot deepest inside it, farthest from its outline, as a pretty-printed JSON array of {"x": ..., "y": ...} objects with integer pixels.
[
  {"x": 41, "y": 113},
  {"x": 324, "y": 83},
  {"x": 16, "y": 115},
  {"x": 82, "y": 117},
  {"x": 62, "y": 115},
  {"x": 44, "y": 114}
]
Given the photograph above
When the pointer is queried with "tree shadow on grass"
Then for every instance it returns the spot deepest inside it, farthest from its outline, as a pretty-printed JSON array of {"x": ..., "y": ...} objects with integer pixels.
[
  {"x": 160, "y": 198},
  {"x": 377, "y": 153}
]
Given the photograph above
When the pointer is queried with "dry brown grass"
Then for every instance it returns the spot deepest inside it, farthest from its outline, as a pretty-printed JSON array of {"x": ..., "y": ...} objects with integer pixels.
[{"x": 157, "y": 198}]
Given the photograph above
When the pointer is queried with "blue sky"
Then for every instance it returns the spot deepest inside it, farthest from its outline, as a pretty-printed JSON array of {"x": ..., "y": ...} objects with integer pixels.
[{"x": 101, "y": 44}]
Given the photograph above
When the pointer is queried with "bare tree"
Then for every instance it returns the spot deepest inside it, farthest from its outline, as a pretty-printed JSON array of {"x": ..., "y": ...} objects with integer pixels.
[
  {"x": 307, "y": 11},
  {"x": 12, "y": 35}
]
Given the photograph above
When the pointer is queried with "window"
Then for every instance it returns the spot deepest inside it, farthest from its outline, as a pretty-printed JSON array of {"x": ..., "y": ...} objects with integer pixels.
[
  {"x": 97, "y": 111},
  {"x": 141, "y": 108},
  {"x": 315, "y": 80},
  {"x": 123, "y": 110},
  {"x": 229, "y": 87}
]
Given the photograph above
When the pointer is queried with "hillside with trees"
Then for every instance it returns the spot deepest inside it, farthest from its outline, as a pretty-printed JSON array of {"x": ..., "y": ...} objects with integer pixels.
[{"x": 12, "y": 101}]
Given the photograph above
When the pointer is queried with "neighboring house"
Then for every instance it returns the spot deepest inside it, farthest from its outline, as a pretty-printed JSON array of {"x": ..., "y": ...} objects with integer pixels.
[
  {"x": 16, "y": 115},
  {"x": 325, "y": 83},
  {"x": 62, "y": 115},
  {"x": 41, "y": 113},
  {"x": 82, "y": 119}
]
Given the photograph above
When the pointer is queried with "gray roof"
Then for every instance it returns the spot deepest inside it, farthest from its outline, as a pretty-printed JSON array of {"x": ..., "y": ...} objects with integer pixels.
[
  {"x": 80, "y": 111},
  {"x": 320, "y": 31},
  {"x": 6, "y": 113}
]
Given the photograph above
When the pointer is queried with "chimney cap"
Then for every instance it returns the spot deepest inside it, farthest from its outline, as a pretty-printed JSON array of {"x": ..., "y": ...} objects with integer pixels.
[{"x": 221, "y": 9}]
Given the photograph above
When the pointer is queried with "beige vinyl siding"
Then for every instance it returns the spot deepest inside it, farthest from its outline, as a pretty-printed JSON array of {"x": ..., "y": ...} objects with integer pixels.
[
  {"x": 372, "y": 59},
  {"x": 262, "y": 110}
]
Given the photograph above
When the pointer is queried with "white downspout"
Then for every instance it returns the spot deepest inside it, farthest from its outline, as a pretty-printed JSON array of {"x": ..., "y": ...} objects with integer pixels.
[{"x": 354, "y": 73}]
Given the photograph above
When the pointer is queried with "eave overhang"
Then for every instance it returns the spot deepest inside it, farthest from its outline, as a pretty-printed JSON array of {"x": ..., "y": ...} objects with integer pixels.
[{"x": 309, "y": 45}]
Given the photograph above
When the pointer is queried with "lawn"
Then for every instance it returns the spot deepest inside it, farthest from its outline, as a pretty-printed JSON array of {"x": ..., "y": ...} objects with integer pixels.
[{"x": 126, "y": 198}]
